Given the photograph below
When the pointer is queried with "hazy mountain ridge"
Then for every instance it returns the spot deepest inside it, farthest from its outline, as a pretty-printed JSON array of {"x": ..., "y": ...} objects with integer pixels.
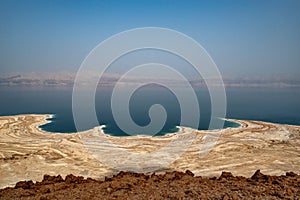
[{"x": 38, "y": 79}]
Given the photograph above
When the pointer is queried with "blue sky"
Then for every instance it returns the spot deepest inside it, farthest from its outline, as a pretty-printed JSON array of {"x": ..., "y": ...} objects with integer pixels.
[{"x": 245, "y": 38}]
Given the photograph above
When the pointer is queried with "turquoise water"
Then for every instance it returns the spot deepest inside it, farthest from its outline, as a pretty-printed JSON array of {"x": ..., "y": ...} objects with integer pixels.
[{"x": 280, "y": 106}]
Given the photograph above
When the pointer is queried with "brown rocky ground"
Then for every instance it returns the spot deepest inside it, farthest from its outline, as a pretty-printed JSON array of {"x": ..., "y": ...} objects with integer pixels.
[{"x": 171, "y": 185}]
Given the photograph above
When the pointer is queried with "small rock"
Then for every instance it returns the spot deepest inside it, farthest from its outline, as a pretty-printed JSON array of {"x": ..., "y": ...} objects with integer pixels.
[
  {"x": 73, "y": 179},
  {"x": 188, "y": 172},
  {"x": 226, "y": 175},
  {"x": 258, "y": 175},
  {"x": 291, "y": 174},
  {"x": 52, "y": 179},
  {"x": 109, "y": 189},
  {"x": 24, "y": 184}
]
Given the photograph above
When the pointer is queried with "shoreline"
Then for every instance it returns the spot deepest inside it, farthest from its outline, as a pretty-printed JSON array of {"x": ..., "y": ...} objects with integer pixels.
[
  {"x": 237, "y": 121},
  {"x": 103, "y": 126},
  {"x": 47, "y": 121},
  {"x": 27, "y": 153}
]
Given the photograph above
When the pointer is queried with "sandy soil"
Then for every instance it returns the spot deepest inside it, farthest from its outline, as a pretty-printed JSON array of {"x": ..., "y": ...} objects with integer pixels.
[{"x": 27, "y": 153}]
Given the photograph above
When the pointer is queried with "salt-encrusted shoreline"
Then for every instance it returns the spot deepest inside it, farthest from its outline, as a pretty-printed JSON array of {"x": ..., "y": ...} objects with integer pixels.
[{"x": 27, "y": 152}]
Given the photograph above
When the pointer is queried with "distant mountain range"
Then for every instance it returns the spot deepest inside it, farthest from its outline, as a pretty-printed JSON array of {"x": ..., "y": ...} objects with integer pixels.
[{"x": 66, "y": 79}]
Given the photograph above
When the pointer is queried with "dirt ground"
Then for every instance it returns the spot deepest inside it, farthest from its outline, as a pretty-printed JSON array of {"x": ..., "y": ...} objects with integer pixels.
[{"x": 171, "y": 185}]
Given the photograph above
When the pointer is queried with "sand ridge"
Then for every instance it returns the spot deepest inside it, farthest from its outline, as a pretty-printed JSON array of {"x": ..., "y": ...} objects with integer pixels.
[{"x": 27, "y": 152}]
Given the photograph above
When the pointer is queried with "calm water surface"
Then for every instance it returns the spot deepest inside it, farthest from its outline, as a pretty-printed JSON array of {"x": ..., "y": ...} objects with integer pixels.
[{"x": 273, "y": 105}]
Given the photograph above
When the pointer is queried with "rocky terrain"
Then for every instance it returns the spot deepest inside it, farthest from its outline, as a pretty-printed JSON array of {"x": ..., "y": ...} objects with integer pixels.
[{"x": 172, "y": 185}]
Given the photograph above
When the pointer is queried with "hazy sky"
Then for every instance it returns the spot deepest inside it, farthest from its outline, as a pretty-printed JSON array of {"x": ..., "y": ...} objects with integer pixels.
[{"x": 252, "y": 37}]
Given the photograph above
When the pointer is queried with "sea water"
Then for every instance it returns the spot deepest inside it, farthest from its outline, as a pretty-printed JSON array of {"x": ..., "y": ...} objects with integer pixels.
[{"x": 272, "y": 105}]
